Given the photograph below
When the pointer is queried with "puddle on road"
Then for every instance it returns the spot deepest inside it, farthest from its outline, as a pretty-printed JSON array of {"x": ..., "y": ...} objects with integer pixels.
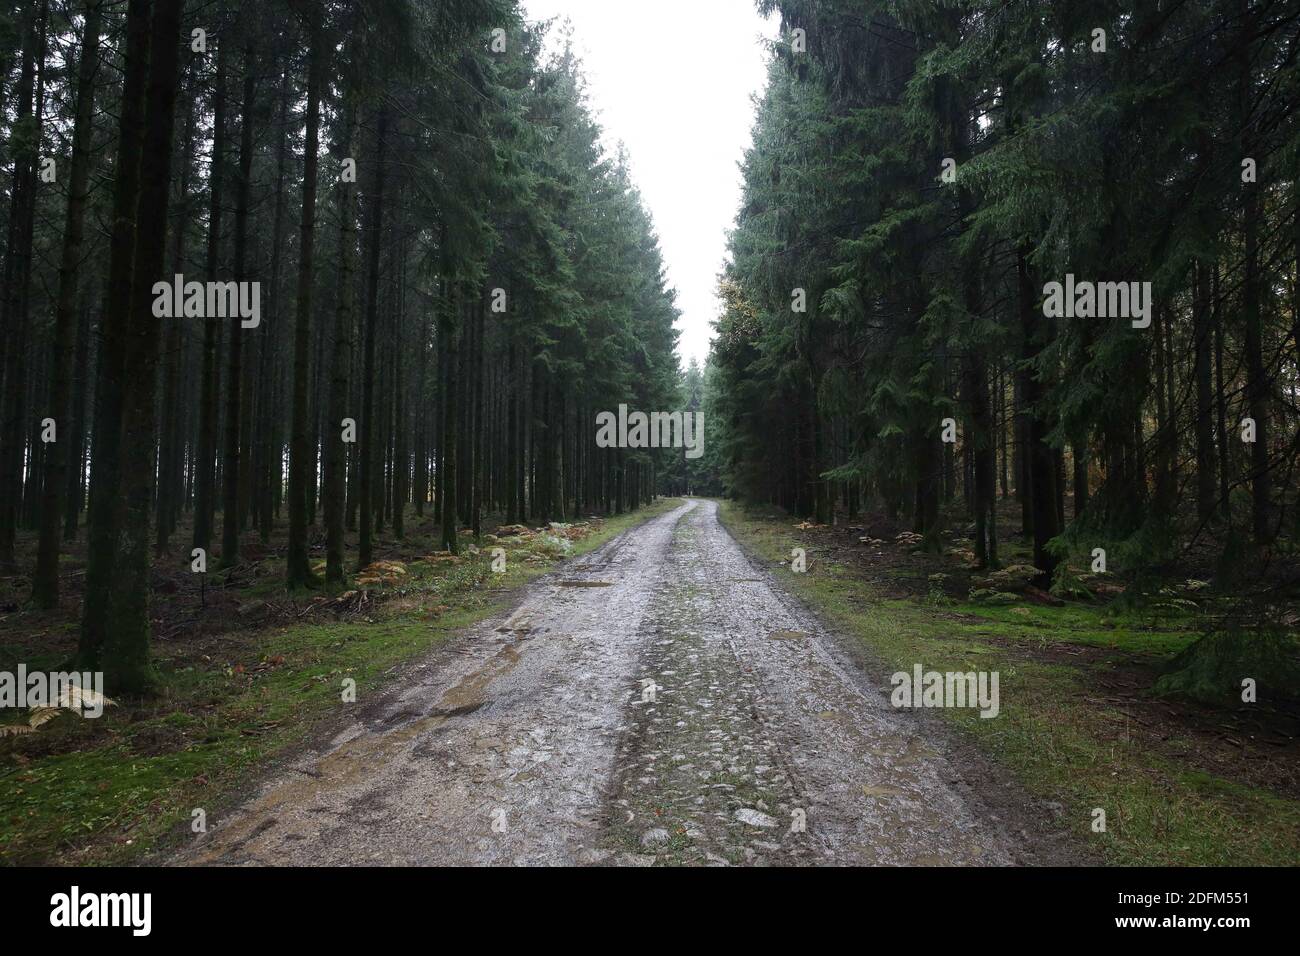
[
  {"x": 340, "y": 768},
  {"x": 916, "y": 751},
  {"x": 460, "y": 710},
  {"x": 467, "y": 695},
  {"x": 586, "y": 584},
  {"x": 787, "y": 635},
  {"x": 363, "y": 755},
  {"x": 880, "y": 791}
]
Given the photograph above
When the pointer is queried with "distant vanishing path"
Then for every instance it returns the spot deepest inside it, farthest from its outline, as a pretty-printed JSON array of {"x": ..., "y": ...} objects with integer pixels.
[{"x": 526, "y": 739}]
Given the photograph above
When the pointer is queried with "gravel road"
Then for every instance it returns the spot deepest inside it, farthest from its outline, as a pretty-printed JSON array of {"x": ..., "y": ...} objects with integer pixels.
[{"x": 661, "y": 700}]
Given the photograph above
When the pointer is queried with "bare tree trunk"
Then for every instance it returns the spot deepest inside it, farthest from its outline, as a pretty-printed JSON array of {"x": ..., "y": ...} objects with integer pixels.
[
  {"x": 205, "y": 463},
  {"x": 172, "y": 437},
  {"x": 1257, "y": 382},
  {"x": 126, "y": 662},
  {"x": 15, "y": 296},
  {"x": 233, "y": 469},
  {"x": 449, "y": 340},
  {"x": 374, "y": 227},
  {"x": 335, "y": 478},
  {"x": 298, "y": 571},
  {"x": 1039, "y": 460},
  {"x": 1205, "y": 452},
  {"x": 77, "y": 473},
  {"x": 272, "y": 446},
  {"x": 45, "y": 580},
  {"x": 105, "y": 456}
]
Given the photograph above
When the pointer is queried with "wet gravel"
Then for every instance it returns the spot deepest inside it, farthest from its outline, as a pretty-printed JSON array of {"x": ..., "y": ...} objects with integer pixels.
[{"x": 659, "y": 701}]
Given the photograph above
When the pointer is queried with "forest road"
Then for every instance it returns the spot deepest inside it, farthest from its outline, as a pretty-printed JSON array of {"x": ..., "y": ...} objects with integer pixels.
[{"x": 660, "y": 700}]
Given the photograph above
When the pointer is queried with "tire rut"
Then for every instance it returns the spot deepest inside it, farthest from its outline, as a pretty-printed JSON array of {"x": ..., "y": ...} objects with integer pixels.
[{"x": 660, "y": 701}]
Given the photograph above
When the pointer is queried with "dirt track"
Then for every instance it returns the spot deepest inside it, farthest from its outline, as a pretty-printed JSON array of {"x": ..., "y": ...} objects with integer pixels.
[{"x": 660, "y": 700}]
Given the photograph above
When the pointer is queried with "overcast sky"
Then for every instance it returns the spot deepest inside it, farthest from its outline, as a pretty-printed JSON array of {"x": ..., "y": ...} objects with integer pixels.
[{"x": 672, "y": 80}]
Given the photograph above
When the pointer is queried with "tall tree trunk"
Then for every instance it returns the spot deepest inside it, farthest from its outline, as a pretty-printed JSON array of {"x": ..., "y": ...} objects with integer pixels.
[
  {"x": 1080, "y": 453},
  {"x": 983, "y": 450},
  {"x": 374, "y": 229},
  {"x": 126, "y": 645},
  {"x": 420, "y": 483},
  {"x": 1225, "y": 451},
  {"x": 15, "y": 296},
  {"x": 171, "y": 479},
  {"x": 335, "y": 490},
  {"x": 298, "y": 571},
  {"x": 1205, "y": 452},
  {"x": 512, "y": 463},
  {"x": 1039, "y": 460},
  {"x": 449, "y": 338},
  {"x": 272, "y": 445},
  {"x": 401, "y": 463},
  {"x": 233, "y": 469},
  {"x": 1257, "y": 382},
  {"x": 76, "y": 474},
  {"x": 105, "y": 459},
  {"x": 205, "y": 463},
  {"x": 476, "y": 504},
  {"x": 45, "y": 580},
  {"x": 1165, "y": 487}
]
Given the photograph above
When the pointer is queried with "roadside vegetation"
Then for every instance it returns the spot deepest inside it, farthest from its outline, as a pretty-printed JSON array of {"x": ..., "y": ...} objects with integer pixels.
[{"x": 1183, "y": 782}]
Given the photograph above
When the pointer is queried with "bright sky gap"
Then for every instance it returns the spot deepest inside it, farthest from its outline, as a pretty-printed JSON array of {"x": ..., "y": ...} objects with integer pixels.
[{"x": 685, "y": 128}]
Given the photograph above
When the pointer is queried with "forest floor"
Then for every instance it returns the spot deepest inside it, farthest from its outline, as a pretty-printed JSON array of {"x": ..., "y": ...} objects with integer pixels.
[
  {"x": 641, "y": 690},
  {"x": 249, "y": 674},
  {"x": 1181, "y": 783}
]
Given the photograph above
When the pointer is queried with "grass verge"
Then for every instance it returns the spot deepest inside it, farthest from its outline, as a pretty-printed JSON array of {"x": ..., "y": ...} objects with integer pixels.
[{"x": 1057, "y": 734}]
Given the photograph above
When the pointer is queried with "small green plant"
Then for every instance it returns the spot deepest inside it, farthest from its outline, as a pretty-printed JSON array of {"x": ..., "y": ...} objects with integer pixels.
[{"x": 1214, "y": 668}]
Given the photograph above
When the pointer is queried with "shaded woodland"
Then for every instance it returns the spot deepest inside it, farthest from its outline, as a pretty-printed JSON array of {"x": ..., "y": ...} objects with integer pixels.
[
  {"x": 920, "y": 173},
  {"x": 452, "y": 276}
]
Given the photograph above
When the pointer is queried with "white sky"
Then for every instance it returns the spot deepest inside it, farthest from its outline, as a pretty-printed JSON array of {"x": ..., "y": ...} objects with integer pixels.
[{"x": 672, "y": 80}]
